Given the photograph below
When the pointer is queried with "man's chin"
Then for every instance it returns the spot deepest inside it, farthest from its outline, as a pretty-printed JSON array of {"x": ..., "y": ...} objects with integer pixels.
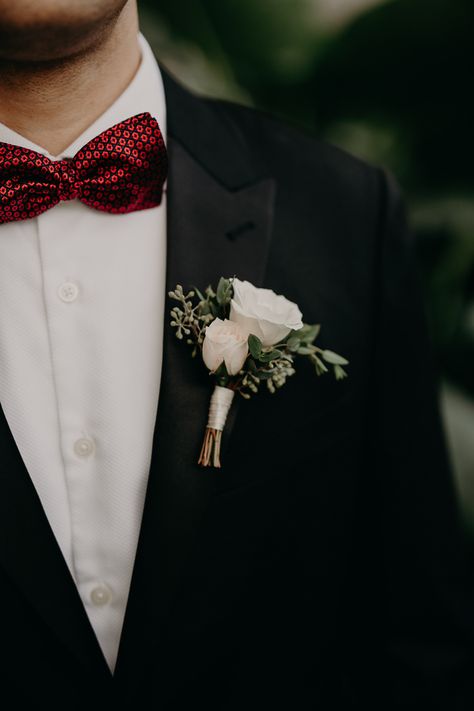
[
  {"x": 45, "y": 45},
  {"x": 53, "y": 29}
]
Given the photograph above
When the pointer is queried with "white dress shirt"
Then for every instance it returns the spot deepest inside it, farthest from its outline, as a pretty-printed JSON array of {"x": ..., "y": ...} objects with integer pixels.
[{"x": 81, "y": 325}]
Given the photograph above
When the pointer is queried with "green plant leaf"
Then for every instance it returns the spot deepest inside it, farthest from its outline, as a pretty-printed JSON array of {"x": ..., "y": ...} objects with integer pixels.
[
  {"x": 224, "y": 291},
  {"x": 255, "y": 346},
  {"x": 305, "y": 350},
  {"x": 308, "y": 333},
  {"x": 339, "y": 372},
  {"x": 293, "y": 343},
  {"x": 204, "y": 308},
  {"x": 267, "y": 357},
  {"x": 265, "y": 374},
  {"x": 221, "y": 375},
  {"x": 198, "y": 293},
  {"x": 334, "y": 358},
  {"x": 251, "y": 365},
  {"x": 319, "y": 365}
]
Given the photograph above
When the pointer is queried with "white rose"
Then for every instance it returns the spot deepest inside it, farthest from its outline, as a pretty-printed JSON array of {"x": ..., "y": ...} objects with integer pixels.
[
  {"x": 263, "y": 313},
  {"x": 225, "y": 342}
]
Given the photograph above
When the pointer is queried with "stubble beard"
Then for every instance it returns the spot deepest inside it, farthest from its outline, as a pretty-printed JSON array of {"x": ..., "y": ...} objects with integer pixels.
[{"x": 54, "y": 42}]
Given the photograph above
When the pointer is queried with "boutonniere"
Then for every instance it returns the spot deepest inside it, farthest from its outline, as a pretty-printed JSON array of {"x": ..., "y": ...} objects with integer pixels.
[{"x": 246, "y": 336}]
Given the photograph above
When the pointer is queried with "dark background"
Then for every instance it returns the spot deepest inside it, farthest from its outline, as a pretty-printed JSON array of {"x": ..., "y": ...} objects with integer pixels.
[{"x": 389, "y": 81}]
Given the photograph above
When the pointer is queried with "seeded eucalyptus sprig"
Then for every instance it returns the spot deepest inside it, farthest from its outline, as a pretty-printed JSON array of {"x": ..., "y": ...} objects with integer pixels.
[
  {"x": 275, "y": 364},
  {"x": 301, "y": 342}
]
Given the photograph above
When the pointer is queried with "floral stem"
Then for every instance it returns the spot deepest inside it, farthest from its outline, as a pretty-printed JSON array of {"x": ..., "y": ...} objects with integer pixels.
[{"x": 211, "y": 449}]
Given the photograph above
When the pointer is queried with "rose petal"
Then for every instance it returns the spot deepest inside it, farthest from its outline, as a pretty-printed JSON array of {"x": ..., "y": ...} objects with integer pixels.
[{"x": 267, "y": 315}]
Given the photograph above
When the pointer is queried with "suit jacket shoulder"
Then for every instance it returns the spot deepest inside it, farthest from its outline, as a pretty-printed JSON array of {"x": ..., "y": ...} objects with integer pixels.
[{"x": 300, "y": 160}]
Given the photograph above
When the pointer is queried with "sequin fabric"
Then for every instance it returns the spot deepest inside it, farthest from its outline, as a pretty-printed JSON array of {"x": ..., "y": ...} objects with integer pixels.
[{"x": 121, "y": 170}]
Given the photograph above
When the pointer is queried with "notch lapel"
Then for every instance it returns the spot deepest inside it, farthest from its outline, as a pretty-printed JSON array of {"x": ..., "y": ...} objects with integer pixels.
[{"x": 220, "y": 211}]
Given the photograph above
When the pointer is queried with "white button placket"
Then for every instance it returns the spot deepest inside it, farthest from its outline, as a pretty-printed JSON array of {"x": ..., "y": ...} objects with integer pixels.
[{"x": 67, "y": 302}]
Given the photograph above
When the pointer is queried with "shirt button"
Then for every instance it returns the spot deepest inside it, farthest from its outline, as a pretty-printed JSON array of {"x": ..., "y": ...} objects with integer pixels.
[
  {"x": 100, "y": 595},
  {"x": 83, "y": 447},
  {"x": 68, "y": 291}
]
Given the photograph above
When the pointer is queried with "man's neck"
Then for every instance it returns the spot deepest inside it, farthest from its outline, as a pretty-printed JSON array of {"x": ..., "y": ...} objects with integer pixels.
[{"x": 52, "y": 104}]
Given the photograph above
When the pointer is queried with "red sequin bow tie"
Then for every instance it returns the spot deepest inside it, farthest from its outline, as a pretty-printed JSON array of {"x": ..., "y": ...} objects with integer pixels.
[{"x": 121, "y": 170}]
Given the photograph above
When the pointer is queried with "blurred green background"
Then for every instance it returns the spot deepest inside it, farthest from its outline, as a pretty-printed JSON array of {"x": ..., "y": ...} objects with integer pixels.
[{"x": 388, "y": 81}]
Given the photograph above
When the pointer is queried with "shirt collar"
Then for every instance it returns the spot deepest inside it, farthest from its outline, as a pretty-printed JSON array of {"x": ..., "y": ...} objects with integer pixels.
[{"x": 144, "y": 93}]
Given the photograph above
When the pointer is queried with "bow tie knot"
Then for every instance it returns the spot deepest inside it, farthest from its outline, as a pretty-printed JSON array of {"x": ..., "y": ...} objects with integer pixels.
[
  {"x": 121, "y": 170},
  {"x": 69, "y": 187}
]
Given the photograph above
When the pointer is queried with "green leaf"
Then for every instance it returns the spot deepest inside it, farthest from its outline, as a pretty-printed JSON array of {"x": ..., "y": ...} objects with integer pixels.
[
  {"x": 334, "y": 358},
  {"x": 309, "y": 333},
  {"x": 265, "y": 374},
  {"x": 221, "y": 375},
  {"x": 255, "y": 346},
  {"x": 198, "y": 293},
  {"x": 319, "y": 365},
  {"x": 305, "y": 350},
  {"x": 224, "y": 291},
  {"x": 252, "y": 367},
  {"x": 293, "y": 343},
  {"x": 275, "y": 354},
  {"x": 339, "y": 372},
  {"x": 267, "y": 357},
  {"x": 204, "y": 308}
]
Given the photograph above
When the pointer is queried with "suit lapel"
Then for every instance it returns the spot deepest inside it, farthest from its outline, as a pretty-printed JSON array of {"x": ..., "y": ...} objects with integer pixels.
[
  {"x": 220, "y": 210},
  {"x": 33, "y": 560}
]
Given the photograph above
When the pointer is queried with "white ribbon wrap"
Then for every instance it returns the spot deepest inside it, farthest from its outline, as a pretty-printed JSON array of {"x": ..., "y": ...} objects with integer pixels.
[{"x": 221, "y": 400}]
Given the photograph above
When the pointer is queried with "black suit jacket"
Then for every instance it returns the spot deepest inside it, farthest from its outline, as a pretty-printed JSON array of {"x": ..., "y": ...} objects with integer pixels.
[{"x": 322, "y": 564}]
